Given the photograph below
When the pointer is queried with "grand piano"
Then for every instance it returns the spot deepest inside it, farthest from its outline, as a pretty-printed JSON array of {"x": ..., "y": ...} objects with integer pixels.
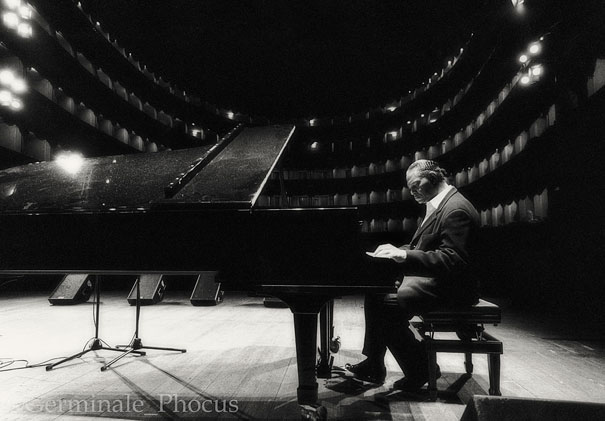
[{"x": 187, "y": 211}]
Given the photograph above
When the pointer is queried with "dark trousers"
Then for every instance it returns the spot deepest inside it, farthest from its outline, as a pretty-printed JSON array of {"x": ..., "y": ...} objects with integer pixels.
[{"x": 387, "y": 327}]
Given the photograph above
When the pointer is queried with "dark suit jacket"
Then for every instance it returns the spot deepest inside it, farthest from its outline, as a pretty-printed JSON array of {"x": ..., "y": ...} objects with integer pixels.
[{"x": 441, "y": 249}]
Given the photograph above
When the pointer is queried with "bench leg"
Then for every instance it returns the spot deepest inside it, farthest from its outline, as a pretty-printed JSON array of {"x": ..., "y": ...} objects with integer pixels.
[
  {"x": 493, "y": 366},
  {"x": 432, "y": 386},
  {"x": 468, "y": 362}
]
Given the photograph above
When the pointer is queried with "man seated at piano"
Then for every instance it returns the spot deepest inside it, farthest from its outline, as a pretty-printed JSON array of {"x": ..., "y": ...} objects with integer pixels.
[{"x": 435, "y": 268}]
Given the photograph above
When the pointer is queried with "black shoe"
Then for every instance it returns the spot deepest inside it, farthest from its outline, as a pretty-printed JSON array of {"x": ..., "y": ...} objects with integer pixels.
[
  {"x": 368, "y": 371},
  {"x": 414, "y": 383}
]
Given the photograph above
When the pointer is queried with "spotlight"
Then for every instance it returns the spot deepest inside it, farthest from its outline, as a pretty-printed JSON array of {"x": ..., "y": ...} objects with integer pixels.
[
  {"x": 25, "y": 30},
  {"x": 19, "y": 86},
  {"x": 523, "y": 58},
  {"x": 25, "y": 12},
  {"x": 12, "y": 4},
  {"x": 70, "y": 162},
  {"x": 10, "y": 19},
  {"x": 535, "y": 48},
  {"x": 5, "y": 97},
  {"x": 536, "y": 70},
  {"x": 6, "y": 77},
  {"x": 525, "y": 79},
  {"x": 16, "y": 104}
]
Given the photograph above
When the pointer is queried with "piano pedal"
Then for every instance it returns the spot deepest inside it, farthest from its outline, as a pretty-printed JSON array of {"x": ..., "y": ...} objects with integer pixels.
[
  {"x": 335, "y": 345},
  {"x": 313, "y": 412},
  {"x": 272, "y": 302},
  {"x": 324, "y": 368}
]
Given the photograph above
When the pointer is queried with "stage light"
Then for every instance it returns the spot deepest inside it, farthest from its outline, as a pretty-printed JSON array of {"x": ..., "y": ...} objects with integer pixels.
[
  {"x": 525, "y": 80},
  {"x": 523, "y": 58},
  {"x": 10, "y": 19},
  {"x": 18, "y": 86},
  {"x": 16, "y": 104},
  {"x": 535, "y": 48},
  {"x": 25, "y": 30},
  {"x": 25, "y": 12},
  {"x": 536, "y": 70},
  {"x": 6, "y": 77},
  {"x": 70, "y": 162},
  {"x": 517, "y": 2},
  {"x": 12, "y": 4},
  {"x": 5, "y": 97}
]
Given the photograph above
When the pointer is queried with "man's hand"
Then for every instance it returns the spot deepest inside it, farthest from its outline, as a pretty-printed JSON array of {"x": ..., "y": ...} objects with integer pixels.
[{"x": 389, "y": 251}]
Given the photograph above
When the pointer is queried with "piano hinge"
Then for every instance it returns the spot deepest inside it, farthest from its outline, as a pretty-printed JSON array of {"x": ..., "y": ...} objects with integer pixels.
[{"x": 196, "y": 166}]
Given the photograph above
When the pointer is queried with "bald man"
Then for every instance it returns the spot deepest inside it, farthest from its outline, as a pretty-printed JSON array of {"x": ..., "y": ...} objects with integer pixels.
[{"x": 435, "y": 266}]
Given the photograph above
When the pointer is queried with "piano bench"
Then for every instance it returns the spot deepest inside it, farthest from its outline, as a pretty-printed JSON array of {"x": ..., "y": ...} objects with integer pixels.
[{"x": 468, "y": 324}]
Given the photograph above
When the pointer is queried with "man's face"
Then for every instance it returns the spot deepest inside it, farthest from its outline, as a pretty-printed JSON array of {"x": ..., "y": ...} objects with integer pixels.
[{"x": 420, "y": 187}]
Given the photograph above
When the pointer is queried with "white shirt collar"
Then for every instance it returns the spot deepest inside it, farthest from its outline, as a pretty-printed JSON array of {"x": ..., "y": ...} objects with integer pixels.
[{"x": 436, "y": 201}]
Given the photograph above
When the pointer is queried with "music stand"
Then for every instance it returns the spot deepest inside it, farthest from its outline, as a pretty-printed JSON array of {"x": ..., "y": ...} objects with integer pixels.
[
  {"x": 136, "y": 344},
  {"x": 96, "y": 344}
]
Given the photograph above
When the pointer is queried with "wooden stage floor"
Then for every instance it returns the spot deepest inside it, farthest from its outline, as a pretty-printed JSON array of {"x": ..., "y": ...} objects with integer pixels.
[{"x": 240, "y": 363}]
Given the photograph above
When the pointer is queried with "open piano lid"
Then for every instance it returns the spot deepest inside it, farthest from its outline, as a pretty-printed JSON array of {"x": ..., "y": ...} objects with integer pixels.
[
  {"x": 230, "y": 174},
  {"x": 237, "y": 175}
]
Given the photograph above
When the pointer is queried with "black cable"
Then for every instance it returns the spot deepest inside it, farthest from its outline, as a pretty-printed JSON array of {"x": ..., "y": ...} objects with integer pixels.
[
  {"x": 11, "y": 280},
  {"x": 27, "y": 365}
]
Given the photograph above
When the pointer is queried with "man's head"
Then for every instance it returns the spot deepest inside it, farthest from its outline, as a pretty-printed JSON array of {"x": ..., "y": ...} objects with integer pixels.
[{"x": 425, "y": 180}]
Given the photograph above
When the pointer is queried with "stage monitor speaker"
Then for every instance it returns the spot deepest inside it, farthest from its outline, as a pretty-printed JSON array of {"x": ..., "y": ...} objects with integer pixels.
[
  {"x": 152, "y": 288},
  {"x": 73, "y": 289},
  {"x": 502, "y": 408},
  {"x": 207, "y": 292}
]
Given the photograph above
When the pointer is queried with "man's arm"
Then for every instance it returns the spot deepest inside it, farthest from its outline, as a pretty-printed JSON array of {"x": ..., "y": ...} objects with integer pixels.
[{"x": 450, "y": 253}]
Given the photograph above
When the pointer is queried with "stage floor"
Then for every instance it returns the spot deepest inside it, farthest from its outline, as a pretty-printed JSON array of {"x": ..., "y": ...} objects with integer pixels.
[{"x": 240, "y": 363}]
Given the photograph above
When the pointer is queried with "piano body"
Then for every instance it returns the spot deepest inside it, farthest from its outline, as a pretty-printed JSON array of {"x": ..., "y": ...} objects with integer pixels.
[{"x": 186, "y": 211}]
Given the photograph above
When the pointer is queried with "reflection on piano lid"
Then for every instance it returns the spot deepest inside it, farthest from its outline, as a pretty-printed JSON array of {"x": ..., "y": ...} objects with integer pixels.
[{"x": 230, "y": 173}]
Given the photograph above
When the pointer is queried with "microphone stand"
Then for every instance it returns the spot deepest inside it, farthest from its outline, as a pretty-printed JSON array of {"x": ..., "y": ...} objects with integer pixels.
[{"x": 136, "y": 344}]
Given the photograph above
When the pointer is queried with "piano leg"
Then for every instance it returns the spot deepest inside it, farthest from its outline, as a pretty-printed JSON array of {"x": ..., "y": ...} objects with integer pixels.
[
  {"x": 328, "y": 343},
  {"x": 305, "y": 330}
]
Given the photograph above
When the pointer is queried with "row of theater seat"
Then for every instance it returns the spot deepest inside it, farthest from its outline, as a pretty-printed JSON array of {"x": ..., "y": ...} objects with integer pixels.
[
  {"x": 88, "y": 116},
  {"x": 457, "y": 138},
  {"x": 490, "y": 163},
  {"x": 430, "y": 152},
  {"x": 528, "y": 209},
  {"x": 597, "y": 80},
  {"x": 511, "y": 149},
  {"x": 168, "y": 86},
  {"x": 390, "y": 107},
  {"x": 26, "y": 143},
  {"x": 121, "y": 92}
]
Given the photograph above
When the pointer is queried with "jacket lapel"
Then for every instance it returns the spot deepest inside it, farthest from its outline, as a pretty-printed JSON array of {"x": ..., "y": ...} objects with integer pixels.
[{"x": 433, "y": 216}]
